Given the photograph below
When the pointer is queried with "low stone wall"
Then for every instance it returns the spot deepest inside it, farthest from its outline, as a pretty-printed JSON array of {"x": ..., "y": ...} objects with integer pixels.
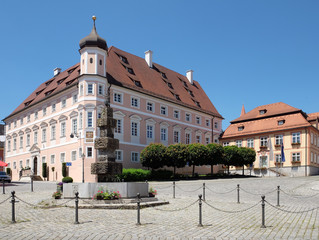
[{"x": 87, "y": 190}]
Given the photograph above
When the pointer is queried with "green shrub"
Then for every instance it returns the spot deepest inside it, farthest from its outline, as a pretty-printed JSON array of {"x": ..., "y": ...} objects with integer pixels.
[
  {"x": 64, "y": 169},
  {"x": 44, "y": 170},
  {"x": 161, "y": 174},
  {"x": 67, "y": 180},
  {"x": 8, "y": 171},
  {"x": 133, "y": 175}
]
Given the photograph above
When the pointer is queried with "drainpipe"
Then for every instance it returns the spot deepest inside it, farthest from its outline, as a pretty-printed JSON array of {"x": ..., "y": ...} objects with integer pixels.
[{"x": 306, "y": 153}]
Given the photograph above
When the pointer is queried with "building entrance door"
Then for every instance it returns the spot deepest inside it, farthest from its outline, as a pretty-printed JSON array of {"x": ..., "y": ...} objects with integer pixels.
[
  {"x": 35, "y": 166},
  {"x": 263, "y": 161}
]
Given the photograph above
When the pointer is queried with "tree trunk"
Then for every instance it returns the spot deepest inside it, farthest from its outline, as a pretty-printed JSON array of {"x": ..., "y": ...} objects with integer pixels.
[
  {"x": 212, "y": 169},
  {"x": 243, "y": 170},
  {"x": 193, "y": 170},
  {"x": 228, "y": 169},
  {"x": 174, "y": 172}
]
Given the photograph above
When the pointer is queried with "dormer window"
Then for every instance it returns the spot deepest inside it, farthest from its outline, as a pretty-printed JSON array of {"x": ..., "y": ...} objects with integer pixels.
[
  {"x": 124, "y": 59},
  {"x": 163, "y": 75},
  {"x": 170, "y": 85},
  {"x": 262, "y": 112},
  {"x": 241, "y": 128},
  {"x": 281, "y": 122},
  {"x": 48, "y": 83}
]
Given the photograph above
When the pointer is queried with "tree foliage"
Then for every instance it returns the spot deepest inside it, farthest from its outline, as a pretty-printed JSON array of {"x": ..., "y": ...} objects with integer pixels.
[
  {"x": 153, "y": 156},
  {"x": 176, "y": 156},
  {"x": 198, "y": 155}
]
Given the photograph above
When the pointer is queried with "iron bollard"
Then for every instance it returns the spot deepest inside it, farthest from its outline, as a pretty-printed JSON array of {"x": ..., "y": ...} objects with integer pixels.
[
  {"x": 173, "y": 189},
  {"x": 278, "y": 192},
  {"x": 204, "y": 192},
  {"x": 31, "y": 183},
  {"x": 13, "y": 207},
  {"x": 238, "y": 193},
  {"x": 3, "y": 187},
  {"x": 200, "y": 210},
  {"x": 138, "y": 209},
  {"x": 77, "y": 208},
  {"x": 263, "y": 212}
]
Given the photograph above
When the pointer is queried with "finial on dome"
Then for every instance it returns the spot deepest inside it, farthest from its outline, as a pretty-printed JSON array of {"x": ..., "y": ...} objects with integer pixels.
[{"x": 94, "y": 18}]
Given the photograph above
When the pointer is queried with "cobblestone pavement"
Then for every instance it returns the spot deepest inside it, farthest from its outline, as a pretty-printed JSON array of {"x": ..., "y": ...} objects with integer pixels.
[{"x": 223, "y": 218}]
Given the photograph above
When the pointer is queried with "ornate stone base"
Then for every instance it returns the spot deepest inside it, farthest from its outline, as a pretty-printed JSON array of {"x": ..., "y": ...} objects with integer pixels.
[{"x": 106, "y": 170}]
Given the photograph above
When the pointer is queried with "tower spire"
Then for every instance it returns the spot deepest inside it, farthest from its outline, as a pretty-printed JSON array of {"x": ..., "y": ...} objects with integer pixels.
[
  {"x": 94, "y": 18},
  {"x": 243, "y": 112}
]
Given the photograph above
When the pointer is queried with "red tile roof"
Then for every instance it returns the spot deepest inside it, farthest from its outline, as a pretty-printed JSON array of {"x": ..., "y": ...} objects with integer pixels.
[
  {"x": 157, "y": 81},
  {"x": 264, "y": 125},
  {"x": 274, "y": 109}
]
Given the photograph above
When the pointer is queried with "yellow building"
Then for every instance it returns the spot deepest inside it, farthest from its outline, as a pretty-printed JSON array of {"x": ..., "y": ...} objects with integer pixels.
[{"x": 266, "y": 128}]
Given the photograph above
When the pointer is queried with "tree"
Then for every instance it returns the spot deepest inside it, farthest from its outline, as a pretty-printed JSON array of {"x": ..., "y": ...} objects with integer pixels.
[
  {"x": 198, "y": 154},
  {"x": 176, "y": 156},
  {"x": 64, "y": 169},
  {"x": 153, "y": 156},
  {"x": 232, "y": 156},
  {"x": 248, "y": 156},
  {"x": 215, "y": 155}
]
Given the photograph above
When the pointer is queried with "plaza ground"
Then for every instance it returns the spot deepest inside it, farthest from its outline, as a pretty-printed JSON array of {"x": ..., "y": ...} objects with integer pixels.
[{"x": 222, "y": 217}]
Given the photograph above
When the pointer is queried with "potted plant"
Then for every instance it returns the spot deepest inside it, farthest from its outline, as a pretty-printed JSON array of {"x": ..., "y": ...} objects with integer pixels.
[
  {"x": 60, "y": 186},
  {"x": 152, "y": 192},
  {"x": 57, "y": 195}
]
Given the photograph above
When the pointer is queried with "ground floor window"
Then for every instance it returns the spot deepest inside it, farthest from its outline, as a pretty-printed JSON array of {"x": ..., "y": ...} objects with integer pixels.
[{"x": 135, "y": 157}]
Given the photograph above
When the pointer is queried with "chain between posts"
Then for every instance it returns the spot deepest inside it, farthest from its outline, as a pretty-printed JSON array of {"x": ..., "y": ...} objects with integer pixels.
[
  {"x": 287, "y": 211},
  {"x": 227, "y": 211},
  {"x": 257, "y": 194},
  {"x": 174, "y": 210},
  {"x": 298, "y": 196},
  {"x": 36, "y": 206},
  {"x": 189, "y": 190},
  {"x": 220, "y": 192},
  {"x": 5, "y": 200}
]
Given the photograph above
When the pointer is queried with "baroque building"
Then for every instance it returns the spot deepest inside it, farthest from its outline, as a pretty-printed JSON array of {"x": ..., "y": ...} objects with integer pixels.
[
  {"x": 269, "y": 127},
  {"x": 151, "y": 103}
]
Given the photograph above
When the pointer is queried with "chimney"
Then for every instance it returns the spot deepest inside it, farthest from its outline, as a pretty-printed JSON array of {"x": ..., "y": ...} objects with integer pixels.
[
  {"x": 189, "y": 75},
  {"x": 148, "y": 58},
  {"x": 56, "y": 71}
]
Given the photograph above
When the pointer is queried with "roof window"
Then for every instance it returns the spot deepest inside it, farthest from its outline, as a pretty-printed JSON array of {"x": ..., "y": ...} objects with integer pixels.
[
  {"x": 136, "y": 82},
  {"x": 27, "y": 103},
  {"x": 124, "y": 59},
  {"x": 61, "y": 81},
  {"x": 170, "y": 85},
  {"x": 38, "y": 92},
  {"x": 69, "y": 82},
  {"x": 48, "y": 83},
  {"x": 197, "y": 103},
  {"x": 130, "y": 70},
  {"x": 262, "y": 112},
  {"x": 281, "y": 122},
  {"x": 241, "y": 128},
  {"x": 48, "y": 93},
  {"x": 163, "y": 75}
]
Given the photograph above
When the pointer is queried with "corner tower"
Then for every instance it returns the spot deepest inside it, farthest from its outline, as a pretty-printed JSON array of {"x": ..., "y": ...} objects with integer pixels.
[{"x": 93, "y": 50}]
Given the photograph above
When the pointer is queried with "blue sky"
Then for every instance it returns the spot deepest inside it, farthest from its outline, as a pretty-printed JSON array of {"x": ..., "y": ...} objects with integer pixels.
[{"x": 242, "y": 52}]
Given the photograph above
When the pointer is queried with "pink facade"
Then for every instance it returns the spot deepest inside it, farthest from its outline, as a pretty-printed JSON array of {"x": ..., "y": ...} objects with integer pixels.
[{"x": 169, "y": 109}]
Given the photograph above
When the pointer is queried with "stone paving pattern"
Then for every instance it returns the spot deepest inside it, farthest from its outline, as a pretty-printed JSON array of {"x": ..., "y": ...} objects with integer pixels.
[{"x": 298, "y": 194}]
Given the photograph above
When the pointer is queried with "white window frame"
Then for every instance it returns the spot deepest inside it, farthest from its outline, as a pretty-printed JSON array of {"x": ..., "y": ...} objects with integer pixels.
[
  {"x": 52, "y": 159},
  {"x": 73, "y": 155},
  {"x": 264, "y": 141},
  {"x": 164, "y": 110},
  {"x": 63, "y": 103},
  {"x": 119, "y": 155},
  {"x": 207, "y": 122},
  {"x": 176, "y": 114},
  {"x": 75, "y": 98},
  {"x": 53, "y": 132},
  {"x": 135, "y": 157},
  {"x": 296, "y": 137},
  {"x": 198, "y": 120},
  {"x": 150, "y": 106},
  {"x": 28, "y": 140},
  {"x": 87, "y": 152},
  {"x": 53, "y": 107},
  {"x": 44, "y": 135},
  {"x": 150, "y": 131},
  {"x": 89, "y": 119},
  {"x": 239, "y": 143},
  {"x": 63, "y": 129},
  {"x": 176, "y": 136},
  {"x": 188, "y": 137},
  {"x": 188, "y": 117},
  {"x": 135, "y": 102},
  {"x": 88, "y": 88},
  {"x": 101, "y": 91},
  {"x": 118, "y": 97},
  {"x": 295, "y": 157},
  {"x": 62, "y": 159},
  {"x": 74, "y": 125},
  {"x": 250, "y": 143}
]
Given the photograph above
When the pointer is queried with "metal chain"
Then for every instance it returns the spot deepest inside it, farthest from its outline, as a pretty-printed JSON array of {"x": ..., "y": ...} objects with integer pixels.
[
  {"x": 172, "y": 210},
  {"x": 189, "y": 190},
  {"x": 299, "y": 196},
  {"x": 220, "y": 192},
  {"x": 257, "y": 194},
  {"x": 5, "y": 200},
  {"x": 164, "y": 187},
  {"x": 287, "y": 211},
  {"x": 33, "y": 205},
  {"x": 226, "y": 211}
]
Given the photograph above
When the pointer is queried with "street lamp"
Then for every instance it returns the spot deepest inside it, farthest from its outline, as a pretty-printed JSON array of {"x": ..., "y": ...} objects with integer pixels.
[{"x": 82, "y": 155}]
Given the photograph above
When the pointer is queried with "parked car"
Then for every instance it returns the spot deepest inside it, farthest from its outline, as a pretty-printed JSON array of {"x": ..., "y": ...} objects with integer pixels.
[{"x": 4, "y": 176}]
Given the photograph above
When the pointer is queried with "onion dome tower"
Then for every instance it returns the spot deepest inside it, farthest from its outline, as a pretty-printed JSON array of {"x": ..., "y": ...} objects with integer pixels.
[{"x": 93, "y": 50}]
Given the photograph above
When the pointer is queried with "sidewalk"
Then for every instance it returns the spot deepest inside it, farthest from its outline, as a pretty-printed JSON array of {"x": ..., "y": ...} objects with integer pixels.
[{"x": 222, "y": 216}]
